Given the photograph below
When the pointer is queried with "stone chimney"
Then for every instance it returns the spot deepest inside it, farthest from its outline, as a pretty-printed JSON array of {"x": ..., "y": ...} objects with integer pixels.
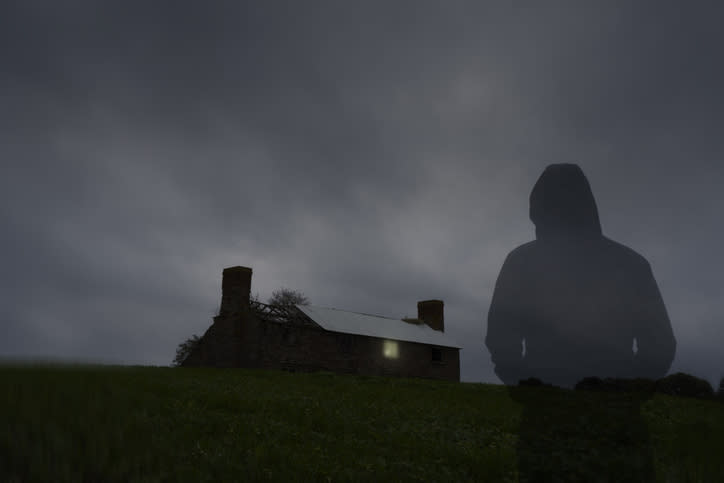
[
  {"x": 431, "y": 312},
  {"x": 235, "y": 290}
]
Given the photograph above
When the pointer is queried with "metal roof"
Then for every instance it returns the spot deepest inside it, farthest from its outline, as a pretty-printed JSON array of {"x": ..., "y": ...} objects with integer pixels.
[{"x": 336, "y": 320}]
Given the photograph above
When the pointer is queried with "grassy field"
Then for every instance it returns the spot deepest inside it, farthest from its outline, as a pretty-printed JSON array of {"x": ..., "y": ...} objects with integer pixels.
[{"x": 87, "y": 423}]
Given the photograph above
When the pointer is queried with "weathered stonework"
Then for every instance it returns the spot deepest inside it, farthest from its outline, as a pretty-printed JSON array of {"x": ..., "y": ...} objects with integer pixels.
[{"x": 240, "y": 337}]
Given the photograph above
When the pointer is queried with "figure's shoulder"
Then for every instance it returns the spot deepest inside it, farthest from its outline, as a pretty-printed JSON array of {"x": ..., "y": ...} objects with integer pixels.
[
  {"x": 522, "y": 252},
  {"x": 625, "y": 254}
]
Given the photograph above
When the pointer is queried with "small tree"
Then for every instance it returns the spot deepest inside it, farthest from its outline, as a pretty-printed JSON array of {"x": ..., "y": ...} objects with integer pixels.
[
  {"x": 287, "y": 297},
  {"x": 184, "y": 349}
]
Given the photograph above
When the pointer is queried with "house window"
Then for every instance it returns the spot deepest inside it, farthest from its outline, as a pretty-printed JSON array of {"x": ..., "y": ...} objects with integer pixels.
[
  {"x": 390, "y": 349},
  {"x": 436, "y": 355}
]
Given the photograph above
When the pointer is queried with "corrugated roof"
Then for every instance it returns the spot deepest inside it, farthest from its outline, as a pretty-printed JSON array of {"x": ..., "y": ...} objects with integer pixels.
[{"x": 336, "y": 320}]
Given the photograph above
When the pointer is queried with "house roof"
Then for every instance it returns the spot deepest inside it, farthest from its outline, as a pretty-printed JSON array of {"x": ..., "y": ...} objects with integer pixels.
[{"x": 336, "y": 320}]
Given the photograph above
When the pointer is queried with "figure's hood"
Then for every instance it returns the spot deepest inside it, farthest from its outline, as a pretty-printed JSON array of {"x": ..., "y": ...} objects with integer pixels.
[{"x": 562, "y": 203}]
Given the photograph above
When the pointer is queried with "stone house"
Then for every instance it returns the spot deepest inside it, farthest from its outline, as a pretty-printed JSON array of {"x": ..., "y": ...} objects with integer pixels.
[{"x": 308, "y": 338}]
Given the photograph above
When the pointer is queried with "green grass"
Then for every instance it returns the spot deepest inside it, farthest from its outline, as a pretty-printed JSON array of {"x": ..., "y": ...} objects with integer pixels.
[{"x": 87, "y": 423}]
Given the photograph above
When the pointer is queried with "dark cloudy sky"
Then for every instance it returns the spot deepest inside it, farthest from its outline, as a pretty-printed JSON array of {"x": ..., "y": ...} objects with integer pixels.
[{"x": 370, "y": 154}]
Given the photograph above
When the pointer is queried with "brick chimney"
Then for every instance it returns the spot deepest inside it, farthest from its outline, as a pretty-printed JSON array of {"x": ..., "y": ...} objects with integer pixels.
[
  {"x": 431, "y": 312},
  {"x": 235, "y": 290}
]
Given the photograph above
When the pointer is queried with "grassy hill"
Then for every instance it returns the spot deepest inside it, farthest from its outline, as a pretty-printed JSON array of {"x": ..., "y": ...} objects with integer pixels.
[{"x": 88, "y": 423}]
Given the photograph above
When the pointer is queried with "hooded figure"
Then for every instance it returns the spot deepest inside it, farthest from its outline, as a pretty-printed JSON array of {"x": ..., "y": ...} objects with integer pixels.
[{"x": 571, "y": 303}]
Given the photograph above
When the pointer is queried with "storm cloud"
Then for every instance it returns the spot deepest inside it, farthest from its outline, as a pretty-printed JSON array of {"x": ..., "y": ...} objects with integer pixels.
[{"x": 369, "y": 154}]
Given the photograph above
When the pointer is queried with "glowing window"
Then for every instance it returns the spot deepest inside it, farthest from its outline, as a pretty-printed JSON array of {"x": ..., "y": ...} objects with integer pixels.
[{"x": 390, "y": 349}]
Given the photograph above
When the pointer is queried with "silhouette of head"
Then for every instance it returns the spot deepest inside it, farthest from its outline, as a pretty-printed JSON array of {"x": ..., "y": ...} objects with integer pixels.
[{"x": 562, "y": 204}]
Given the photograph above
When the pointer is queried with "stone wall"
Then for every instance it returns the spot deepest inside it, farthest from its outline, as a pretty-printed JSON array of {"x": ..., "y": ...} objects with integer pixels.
[
  {"x": 306, "y": 349},
  {"x": 238, "y": 337},
  {"x": 220, "y": 346},
  {"x": 243, "y": 340}
]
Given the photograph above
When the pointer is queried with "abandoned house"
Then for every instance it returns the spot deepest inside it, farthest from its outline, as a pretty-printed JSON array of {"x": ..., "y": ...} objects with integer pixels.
[{"x": 308, "y": 338}]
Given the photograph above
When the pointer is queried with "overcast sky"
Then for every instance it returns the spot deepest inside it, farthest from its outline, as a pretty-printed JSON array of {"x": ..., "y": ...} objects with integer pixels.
[{"x": 370, "y": 154}]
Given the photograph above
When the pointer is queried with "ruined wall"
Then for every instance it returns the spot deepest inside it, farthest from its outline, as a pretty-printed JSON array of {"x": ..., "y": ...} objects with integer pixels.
[
  {"x": 239, "y": 338},
  {"x": 245, "y": 341},
  {"x": 220, "y": 346},
  {"x": 305, "y": 349}
]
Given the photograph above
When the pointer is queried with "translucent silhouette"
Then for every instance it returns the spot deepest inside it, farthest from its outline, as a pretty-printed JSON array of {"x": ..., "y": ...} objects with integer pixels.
[
  {"x": 569, "y": 305},
  {"x": 575, "y": 300}
]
